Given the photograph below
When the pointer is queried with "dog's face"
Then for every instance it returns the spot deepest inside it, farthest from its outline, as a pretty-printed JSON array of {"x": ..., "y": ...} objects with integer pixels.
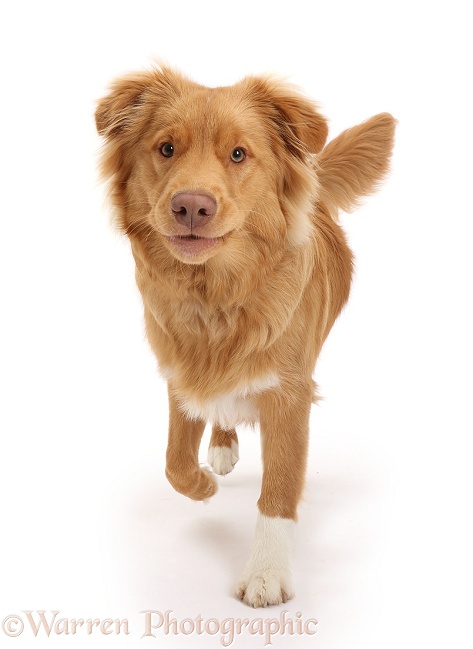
[
  {"x": 208, "y": 169},
  {"x": 204, "y": 171}
]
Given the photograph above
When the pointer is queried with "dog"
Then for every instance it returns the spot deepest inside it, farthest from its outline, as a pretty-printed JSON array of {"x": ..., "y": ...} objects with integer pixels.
[{"x": 229, "y": 197}]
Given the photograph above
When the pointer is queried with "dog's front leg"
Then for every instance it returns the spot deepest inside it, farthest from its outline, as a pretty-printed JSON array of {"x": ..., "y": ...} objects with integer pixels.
[
  {"x": 182, "y": 463},
  {"x": 284, "y": 420}
]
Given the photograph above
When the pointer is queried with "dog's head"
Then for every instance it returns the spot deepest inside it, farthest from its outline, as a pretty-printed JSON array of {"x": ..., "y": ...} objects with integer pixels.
[{"x": 210, "y": 169}]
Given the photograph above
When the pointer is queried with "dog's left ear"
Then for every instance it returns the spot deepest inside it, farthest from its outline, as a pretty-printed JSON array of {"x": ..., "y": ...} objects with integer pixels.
[{"x": 296, "y": 118}]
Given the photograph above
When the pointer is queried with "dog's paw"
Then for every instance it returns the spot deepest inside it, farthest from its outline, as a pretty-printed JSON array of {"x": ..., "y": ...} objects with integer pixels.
[
  {"x": 222, "y": 459},
  {"x": 267, "y": 578},
  {"x": 201, "y": 484},
  {"x": 266, "y": 588}
]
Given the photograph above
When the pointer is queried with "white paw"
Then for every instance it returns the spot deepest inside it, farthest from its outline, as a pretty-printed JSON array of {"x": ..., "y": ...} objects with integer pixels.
[
  {"x": 222, "y": 459},
  {"x": 266, "y": 588},
  {"x": 267, "y": 578}
]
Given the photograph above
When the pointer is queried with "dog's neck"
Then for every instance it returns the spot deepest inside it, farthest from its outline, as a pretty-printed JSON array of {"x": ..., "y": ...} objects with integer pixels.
[{"x": 217, "y": 285}]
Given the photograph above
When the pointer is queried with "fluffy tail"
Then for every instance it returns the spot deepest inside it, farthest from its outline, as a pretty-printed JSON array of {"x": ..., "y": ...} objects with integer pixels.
[{"x": 353, "y": 164}]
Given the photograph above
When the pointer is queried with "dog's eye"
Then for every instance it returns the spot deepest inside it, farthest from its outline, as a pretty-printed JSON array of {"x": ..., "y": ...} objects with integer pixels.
[
  {"x": 167, "y": 150},
  {"x": 237, "y": 155}
]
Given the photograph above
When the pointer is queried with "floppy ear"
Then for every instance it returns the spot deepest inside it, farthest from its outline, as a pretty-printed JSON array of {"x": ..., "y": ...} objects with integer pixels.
[
  {"x": 114, "y": 111},
  {"x": 296, "y": 118}
]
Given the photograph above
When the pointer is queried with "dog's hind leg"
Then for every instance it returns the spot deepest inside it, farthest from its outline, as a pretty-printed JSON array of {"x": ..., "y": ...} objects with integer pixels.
[
  {"x": 182, "y": 463},
  {"x": 223, "y": 450}
]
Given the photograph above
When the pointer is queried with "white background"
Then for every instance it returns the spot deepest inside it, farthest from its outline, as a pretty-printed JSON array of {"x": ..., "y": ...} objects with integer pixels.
[{"x": 90, "y": 526}]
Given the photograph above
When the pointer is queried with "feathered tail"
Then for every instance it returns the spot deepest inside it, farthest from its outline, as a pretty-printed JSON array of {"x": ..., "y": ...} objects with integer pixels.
[{"x": 353, "y": 164}]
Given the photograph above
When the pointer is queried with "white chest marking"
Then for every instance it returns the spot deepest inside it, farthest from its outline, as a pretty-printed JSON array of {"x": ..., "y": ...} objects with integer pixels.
[{"x": 233, "y": 408}]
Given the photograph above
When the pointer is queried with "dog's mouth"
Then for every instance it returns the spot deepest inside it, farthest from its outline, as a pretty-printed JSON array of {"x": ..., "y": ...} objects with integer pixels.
[{"x": 191, "y": 245}]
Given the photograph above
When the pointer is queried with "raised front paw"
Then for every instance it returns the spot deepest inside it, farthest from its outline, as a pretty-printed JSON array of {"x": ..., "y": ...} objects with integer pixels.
[
  {"x": 266, "y": 588},
  {"x": 199, "y": 484}
]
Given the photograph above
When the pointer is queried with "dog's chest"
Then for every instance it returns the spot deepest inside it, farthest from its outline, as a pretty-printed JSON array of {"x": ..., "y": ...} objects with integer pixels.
[
  {"x": 201, "y": 338},
  {"x": 231, "y": 408}
]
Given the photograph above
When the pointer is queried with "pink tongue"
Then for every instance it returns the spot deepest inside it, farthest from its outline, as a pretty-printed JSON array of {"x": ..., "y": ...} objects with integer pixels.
[{"x": 191, "y": 247}]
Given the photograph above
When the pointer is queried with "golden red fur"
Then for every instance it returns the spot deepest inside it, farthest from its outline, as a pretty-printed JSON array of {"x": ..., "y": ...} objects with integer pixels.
[{"x": 230, "y": 197}]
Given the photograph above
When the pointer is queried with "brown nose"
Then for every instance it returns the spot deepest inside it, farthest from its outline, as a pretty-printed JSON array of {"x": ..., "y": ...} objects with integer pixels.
[{"x": 193, "y": 208}]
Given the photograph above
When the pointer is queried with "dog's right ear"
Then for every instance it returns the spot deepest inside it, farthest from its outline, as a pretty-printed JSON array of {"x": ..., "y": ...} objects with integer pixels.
[
  {"x": 115, "y": 111},
  {"x": 120, "y": 109}
]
